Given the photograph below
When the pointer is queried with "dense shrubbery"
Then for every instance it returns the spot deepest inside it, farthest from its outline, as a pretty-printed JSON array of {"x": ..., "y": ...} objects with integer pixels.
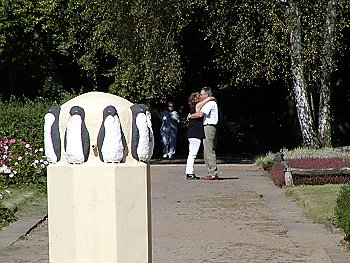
[
  {"x": 22, "y": 160},
  {"x": 21, "y": 164},
  {"x": 6, "y": 215},
  {"x": 342, "y": 210},
  {"x": 23, "y": 120},
  {"x": 21, "y": 143}
]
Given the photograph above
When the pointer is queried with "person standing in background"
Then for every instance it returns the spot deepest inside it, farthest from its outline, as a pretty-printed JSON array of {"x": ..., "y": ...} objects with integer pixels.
[{"x": 168, "y": 130}]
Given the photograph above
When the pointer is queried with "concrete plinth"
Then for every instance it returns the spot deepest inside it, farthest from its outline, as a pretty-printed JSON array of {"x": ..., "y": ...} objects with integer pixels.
[{"x": 99, "y": 214}]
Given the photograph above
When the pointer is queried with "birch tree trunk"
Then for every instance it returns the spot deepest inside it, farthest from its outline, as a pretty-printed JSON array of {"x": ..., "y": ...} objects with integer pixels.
[
  {"x": 324, "y": 117},
  {"x": 300, "y": 94}
]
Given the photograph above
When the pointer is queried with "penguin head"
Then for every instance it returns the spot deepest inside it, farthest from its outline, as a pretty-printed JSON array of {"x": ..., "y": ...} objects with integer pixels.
[
  {"x": 139, "y": 108},
  {"x": 109, "y": 111},
  {"x": 54, "y": 110},
  {"x": 76, "y": 110}
]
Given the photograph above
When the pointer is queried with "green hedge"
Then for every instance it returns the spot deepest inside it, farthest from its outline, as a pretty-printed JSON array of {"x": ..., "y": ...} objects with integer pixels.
[
  {"x": 342, "y": 210},
  {"x": 22, "y": 160},
  {"x": 23, "y": 120}
]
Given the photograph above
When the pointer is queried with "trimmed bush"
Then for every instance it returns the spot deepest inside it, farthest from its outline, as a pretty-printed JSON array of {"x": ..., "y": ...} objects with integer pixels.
[
  {"x": 6, "y": 215},
  {"x": 23, "y": 120},
  {"x": 22, "y": 160},
  {"x": 342, "y": 210}
]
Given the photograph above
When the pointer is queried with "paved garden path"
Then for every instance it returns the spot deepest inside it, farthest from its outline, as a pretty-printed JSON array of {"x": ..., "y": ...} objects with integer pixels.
[{"x": 241, "y": 218}]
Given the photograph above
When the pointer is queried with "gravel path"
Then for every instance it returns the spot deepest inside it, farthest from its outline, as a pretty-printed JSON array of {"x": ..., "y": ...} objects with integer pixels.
[{"x": 241, "y": 218}]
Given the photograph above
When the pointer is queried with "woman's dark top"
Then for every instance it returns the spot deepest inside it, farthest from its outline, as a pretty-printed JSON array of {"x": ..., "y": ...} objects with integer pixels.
[{"x": 195, "y": 128}]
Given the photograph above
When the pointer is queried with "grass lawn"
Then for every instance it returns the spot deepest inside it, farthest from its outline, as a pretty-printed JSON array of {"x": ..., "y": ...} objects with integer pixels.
[
  {"x": 318, "y": 201},
  {"x": 16, "y": 200}
]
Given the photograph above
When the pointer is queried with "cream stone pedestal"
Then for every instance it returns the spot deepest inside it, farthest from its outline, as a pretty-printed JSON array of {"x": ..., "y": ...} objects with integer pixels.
[{"x": 99, "y": 213}]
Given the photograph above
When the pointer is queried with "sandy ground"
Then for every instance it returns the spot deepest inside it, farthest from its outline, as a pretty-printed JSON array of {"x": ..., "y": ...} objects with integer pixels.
[{"x": 240, "y": 218}]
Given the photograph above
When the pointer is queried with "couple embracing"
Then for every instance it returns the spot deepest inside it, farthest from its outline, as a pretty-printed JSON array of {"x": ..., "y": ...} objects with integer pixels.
[{"x": 203, "y": 120}]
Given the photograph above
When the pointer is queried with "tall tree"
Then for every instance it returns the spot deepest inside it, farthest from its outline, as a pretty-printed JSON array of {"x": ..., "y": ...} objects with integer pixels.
[
  {"x": 131, "y": 44},
  {"x": 25, "y": 47},
  {"x": 261, "y": 40},
  {"x": 324, "y": 119}
]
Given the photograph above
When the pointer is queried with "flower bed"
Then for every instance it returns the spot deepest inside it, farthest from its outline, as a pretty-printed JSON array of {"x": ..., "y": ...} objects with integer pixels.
[
  {"x": 278, "y": 176},
  {"x": 21, "y": 164}
]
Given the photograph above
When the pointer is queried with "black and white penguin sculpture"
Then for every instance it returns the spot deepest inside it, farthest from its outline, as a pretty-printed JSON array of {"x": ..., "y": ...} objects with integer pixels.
[
  {"x": 52, "y": 140},
  {"x": 109, "y": 140},
  {"x": 76, "y": 138},
  {"x": 142, "y": 139}
]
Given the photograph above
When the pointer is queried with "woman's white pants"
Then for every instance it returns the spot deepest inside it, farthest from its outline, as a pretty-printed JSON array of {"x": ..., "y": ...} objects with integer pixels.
[{"x": 193, "y": 148}]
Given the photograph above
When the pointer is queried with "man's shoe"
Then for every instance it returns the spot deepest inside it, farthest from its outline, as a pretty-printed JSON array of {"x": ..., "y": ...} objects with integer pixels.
[
  {"x": 165, "y": 156},
  {"x": 210, "y": 177},
  {"x": 191, "y": 177}
]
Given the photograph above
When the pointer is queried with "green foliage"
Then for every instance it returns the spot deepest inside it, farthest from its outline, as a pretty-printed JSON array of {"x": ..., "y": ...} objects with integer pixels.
[
  {"x": 129, "y": 44},
  {"x": 21, "y": 143},
  {"x": 251, "y": 40},
  {"x": 21, "y": 164},
  {"x": 6, "y": 215},
  {"x": 139, "y": 50},
  {"x": 265, "y": 161},
  {"x": 342, "y": 210},
  {"x": 23, "y": 120},
  {"x": 26, "y": 47}
]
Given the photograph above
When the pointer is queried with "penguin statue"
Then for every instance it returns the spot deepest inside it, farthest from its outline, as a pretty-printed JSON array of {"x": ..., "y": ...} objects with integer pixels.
[
  {"x": 142, "y": 140},
  {"x": 52, "y": 141},
  {"x": 151, "y": 135},
  {"x": 76, "y": 138},
  {"x": 109, "y": 140}
]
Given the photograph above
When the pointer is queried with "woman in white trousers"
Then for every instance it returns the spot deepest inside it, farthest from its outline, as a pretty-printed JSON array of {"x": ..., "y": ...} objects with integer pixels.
[{"x": 195, "y": 131}]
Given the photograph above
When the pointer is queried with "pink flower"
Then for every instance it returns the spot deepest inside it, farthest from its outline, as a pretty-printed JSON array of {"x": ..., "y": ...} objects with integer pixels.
[{"x": 12, "y": 141}]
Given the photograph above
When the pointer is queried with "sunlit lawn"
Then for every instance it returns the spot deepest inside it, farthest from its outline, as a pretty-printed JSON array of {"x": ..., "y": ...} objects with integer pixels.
[{"x": 318, "y": 201}]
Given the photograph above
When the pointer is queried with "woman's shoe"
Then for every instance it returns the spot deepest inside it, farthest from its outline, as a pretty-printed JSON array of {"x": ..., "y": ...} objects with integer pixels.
[{"x": 192, "y": 177}]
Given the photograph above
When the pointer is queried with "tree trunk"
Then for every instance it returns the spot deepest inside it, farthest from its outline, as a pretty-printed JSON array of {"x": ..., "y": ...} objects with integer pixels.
[
  {"x": 324, "y": 117},
  {"x": 299, "y": 88}
]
